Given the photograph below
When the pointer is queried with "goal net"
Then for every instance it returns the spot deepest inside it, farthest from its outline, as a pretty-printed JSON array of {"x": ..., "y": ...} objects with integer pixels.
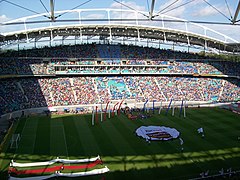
[{"x": 14, "y": 141}]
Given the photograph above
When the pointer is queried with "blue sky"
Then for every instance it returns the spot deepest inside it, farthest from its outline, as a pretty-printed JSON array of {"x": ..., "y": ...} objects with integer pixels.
[{"x": 197, "y": 10}]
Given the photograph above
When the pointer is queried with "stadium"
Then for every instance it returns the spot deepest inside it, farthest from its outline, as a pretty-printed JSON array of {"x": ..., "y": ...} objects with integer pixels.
[{"x": 124, "y": 90}]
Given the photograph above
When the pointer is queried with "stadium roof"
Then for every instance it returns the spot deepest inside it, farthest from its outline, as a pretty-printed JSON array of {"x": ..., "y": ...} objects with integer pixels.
[{"x": 113, "y": 24}]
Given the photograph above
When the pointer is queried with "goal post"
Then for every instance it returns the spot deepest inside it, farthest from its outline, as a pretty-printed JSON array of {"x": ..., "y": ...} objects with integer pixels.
[{"x": 14, "y": 141}]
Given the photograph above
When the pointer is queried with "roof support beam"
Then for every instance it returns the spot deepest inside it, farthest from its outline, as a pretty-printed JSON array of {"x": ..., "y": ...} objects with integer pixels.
[
  {"x": 52, "y": 10},
  {"x": 151, "y": 11},
  {"x": 236, "y": 13}
]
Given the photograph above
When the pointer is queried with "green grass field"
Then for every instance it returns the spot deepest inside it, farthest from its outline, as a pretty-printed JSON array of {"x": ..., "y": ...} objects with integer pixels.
[{"x": 126, "y": 155}]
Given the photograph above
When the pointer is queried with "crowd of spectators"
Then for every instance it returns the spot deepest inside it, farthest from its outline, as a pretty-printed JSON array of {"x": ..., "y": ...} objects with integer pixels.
[
  {"x": 61, "y": 91},
  {"x": 33, "y": 92},
  {"x": 122, "y": 58},
  {"x": 56, "y": 66},
  {"x": 85, "y": 90},
  {"x": 118, "y": 88},
  {"x": 8, "y": 66},
  {"x": 133, "y": 86},
  {"x": 102, "y": 89},
  {"x": 12, "y": 97},
  {"x": 192, "y": 89},
  {"x": 149, "y": 88},
  {"x": 16, "y": 94},
  {"x": 230, "y": 90},
  {"x": 110, "y": 54},
  {"x": 227, "y": 67}
]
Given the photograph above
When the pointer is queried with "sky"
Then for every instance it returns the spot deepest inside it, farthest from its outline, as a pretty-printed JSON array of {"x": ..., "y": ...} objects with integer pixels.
[{"x": 197, "y": 10}]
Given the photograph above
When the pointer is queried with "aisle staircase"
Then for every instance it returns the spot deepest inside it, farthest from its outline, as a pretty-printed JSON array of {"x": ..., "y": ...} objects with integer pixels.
[
  {"x": 221, "y": 90},
  {"x": 20, "y": 87},
  {"x": 127, "y": 87},
  {"x": 159, "y": 87},
  {"x": 73, "y": 90},
  {"x": 95, "y": 88}
]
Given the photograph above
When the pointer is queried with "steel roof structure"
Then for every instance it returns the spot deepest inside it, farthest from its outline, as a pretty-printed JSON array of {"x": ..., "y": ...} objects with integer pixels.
[{"x": 107, "y": 24}]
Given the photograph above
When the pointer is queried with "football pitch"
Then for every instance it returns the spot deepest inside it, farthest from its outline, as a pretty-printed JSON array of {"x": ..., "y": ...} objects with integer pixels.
[{"x": 126, "y": 155}]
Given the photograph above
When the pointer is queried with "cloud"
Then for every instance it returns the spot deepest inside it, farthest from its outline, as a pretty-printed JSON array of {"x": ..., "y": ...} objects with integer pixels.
[
  {"x": 131, "y": 4},
  {"x": 205, "y": 11},
  {"x": 196, "y": 8},
  {"x": 4, "y": 18},
  {"x": 126, "y": 15},
  {"x": 197, "y": 2},
  {"x": 176, "y": 12},
  {"x": 95, "y": 16},
  {"x": 179, "y": 11}
]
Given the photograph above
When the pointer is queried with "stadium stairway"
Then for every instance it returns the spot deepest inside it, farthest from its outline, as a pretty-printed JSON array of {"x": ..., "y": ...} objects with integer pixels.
[
  {"x": 221, "y": 90},
  {"x": 160, "y": 89},
  {"x": 72, "y": 87}
]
